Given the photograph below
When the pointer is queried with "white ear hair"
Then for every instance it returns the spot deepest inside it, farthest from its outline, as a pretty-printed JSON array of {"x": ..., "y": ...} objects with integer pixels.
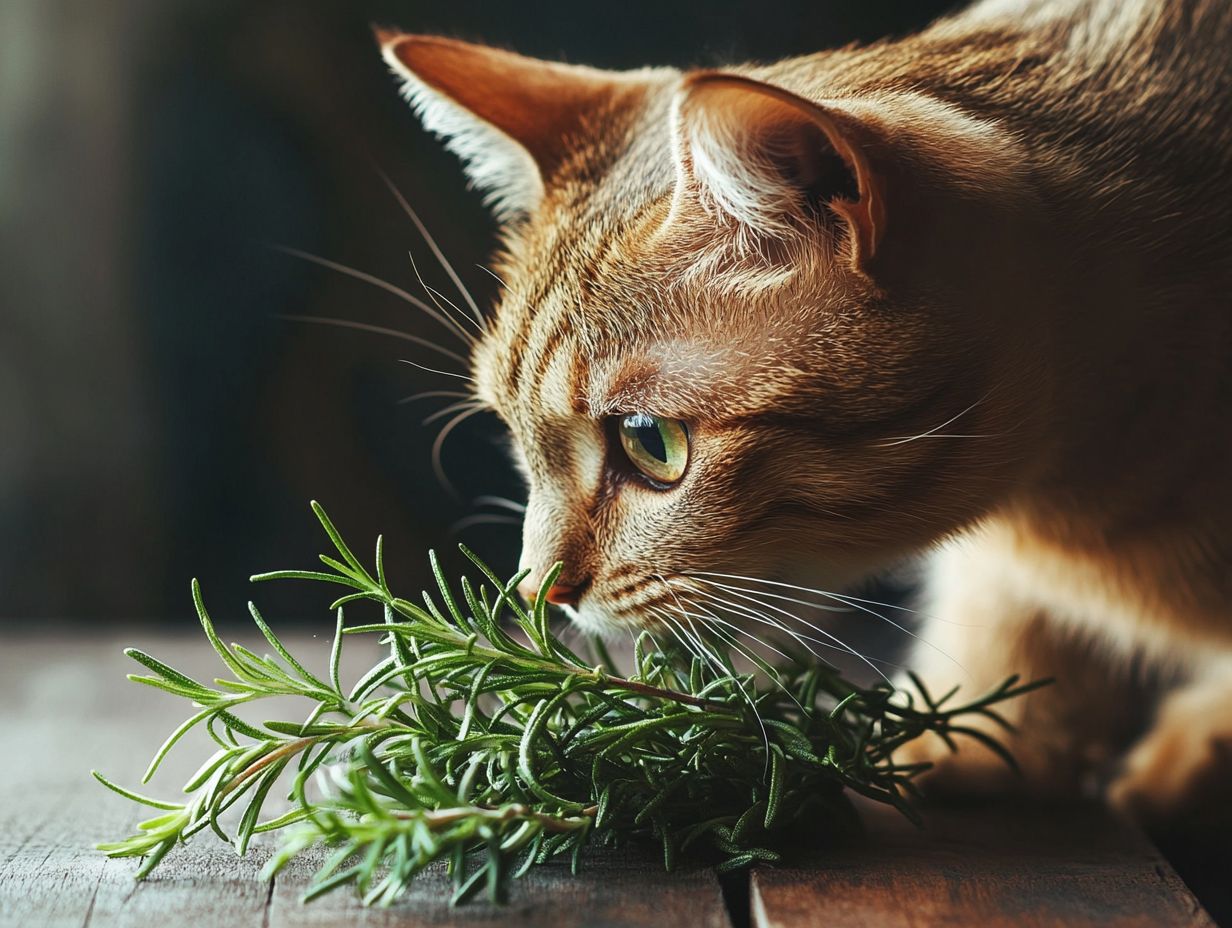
[
  {"x": 736, "y": 169},
  {"x": 497, "y": 165}
]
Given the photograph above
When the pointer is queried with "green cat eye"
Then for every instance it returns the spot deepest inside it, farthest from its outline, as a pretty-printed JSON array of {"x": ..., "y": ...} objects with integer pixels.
[{"x": 658, "y": 447}]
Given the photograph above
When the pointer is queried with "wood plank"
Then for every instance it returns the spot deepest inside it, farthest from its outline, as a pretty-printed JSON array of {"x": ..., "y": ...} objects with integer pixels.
[
  {"x": 612, "y": 889},
  {"x": 986, "y": 865},
  {"x": 65, "y": 707}
]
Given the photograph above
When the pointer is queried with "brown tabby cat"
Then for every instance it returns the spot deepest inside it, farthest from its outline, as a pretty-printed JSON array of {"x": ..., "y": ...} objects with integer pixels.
[{"x": 967, "y": 293}]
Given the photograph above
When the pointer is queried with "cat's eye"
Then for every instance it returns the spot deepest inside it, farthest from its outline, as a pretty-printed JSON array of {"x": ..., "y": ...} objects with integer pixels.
[{"x": 656, "y": 446}]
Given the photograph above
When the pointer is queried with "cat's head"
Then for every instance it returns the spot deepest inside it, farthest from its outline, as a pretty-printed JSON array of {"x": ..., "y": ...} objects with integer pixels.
[{"x": 743, "y": 322}]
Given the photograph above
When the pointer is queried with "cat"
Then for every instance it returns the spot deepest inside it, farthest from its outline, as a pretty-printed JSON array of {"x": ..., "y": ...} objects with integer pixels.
[{"x": 966, "y": 294}]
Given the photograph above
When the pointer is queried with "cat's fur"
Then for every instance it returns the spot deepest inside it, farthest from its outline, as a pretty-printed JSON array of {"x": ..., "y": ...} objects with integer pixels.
[{"x": 968, "y": 292}]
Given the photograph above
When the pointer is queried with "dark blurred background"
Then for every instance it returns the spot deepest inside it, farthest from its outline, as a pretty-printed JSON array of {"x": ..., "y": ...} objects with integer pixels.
[{"x": 158, "y": 419}]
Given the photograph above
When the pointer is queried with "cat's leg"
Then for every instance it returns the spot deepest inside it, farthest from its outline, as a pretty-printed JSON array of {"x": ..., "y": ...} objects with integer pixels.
[
  {"x": 979, "y": 631},
  {"x": 1184, "y": 761}
]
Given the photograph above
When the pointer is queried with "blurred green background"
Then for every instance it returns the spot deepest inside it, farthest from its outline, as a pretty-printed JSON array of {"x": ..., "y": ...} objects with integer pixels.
[{"x": 158, "y": 419}]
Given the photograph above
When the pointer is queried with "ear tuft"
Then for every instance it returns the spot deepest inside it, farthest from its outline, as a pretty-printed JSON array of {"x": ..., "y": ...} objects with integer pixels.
[
  {"x": 435, "y": 75},
  {"x": 510, "y": 118},
  {"x": 774, "y": 162}
]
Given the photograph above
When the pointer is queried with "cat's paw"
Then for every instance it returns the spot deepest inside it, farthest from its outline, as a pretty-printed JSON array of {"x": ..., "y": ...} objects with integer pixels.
[{"x": 1177, "y": 770}]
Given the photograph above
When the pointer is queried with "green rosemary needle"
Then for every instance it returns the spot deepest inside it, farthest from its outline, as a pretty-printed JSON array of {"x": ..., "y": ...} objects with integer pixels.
[{"x": 493, "y": 751}]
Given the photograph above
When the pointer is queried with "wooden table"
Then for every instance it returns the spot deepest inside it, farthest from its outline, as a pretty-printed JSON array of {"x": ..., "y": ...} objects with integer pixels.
[{"x": 65, "y": 707}]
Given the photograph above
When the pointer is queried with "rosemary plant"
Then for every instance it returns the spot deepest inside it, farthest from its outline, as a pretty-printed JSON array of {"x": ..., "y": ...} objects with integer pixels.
[{"x": 494, "y": 748}]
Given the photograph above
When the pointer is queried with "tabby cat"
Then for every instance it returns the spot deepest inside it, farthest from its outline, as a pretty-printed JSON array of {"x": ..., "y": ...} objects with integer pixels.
[{"x": 967, "y": 294}]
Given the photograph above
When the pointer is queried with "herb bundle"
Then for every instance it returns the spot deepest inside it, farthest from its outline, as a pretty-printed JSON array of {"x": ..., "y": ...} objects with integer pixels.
[{"x": 495, "y": 750}]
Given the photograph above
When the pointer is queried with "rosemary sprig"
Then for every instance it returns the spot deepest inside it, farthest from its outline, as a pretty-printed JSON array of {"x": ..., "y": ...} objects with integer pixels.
[{"x": 495, "y": 750}]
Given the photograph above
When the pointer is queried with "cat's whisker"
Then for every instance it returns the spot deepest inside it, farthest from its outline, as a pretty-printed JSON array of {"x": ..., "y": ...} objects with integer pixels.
[
  {"x": 435, "y": 370},
  {"x": 715, "y": 662},
  {"x": 711, "y": 615},
  {"x": 671, "y": 628},
  {"x": 501, "y": 501},
  {"x": 746, "y": 612},
  {"x": 381, "y": 284},
  {"x": 755, "y": 596},
  {"x": 891, "y": 442},
  {"x": 429, "y": 394},
  {"x": 376, "y": 330},
  {"x": 437, "y": 465},
  {"x": 764, "y": 666},
  {"x": 854, "y": 603},
  {"x": 693, "y": 644},
  {"x": 842, "y": 597},
  {"x": 801, "y": 638},
  {"x": 844, "y": 608},
  {"x": 438, "y": 296},
  {"x": 761, "y": 618},
  {"x": 437, "y": 303},
  {"x": 699, "y": 649},
  {"x": 485, "y": 518},
  {"x": 495, "y": 276},
  {"x": 821, "y": 631},
  {"x": 760, "y": 663},
  {"x": 435, "y": 249},
  {"x": 450, "y": 409},
  {"x": 722, "y": 670}
]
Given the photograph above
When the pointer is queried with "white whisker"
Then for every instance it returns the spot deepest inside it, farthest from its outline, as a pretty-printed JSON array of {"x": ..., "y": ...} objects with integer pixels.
[
  {"x": 482, "y": 519},
  {"x": 821, "y": 631},
  {"x": 888, "y": 443},
  {"x": 501, "y": 501},
  {"x": 376, "y": 330},
  {"x": 773, "y": 675},
  {"x": 711, "y": 615},
  {"x": 437, "y": 295},
  {"x": 735, "y": 678},
  {"x": 763, "y": 619},
  {"x": 495, "y": 276},
  {"x": 843, "y": 597},
  {"x": 381, "y": 284},
  {"x": 434, "y": 370},
  {"x": 747, "y": 652},
  {"x": 429, "y": 394},
  {"x": 437, "y": 445},
  {"x": 798, "y": 636},
  {"x": 436, "y": 251},
  {"x": 853, "y": 602},
  {"x": 437, "y": 303},
  {"x": 448, "y": 410}
]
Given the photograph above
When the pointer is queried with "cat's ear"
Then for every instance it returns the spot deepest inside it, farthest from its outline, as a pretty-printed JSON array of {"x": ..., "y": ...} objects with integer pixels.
[
  {"x": 503, "y": 114},
  {"x": 774, "y": 161}
]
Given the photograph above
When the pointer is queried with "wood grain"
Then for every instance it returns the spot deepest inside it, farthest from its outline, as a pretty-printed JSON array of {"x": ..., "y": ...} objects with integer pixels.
[
  {"x": 65, "y": 707},
  {"x": 985, "y": 864}
]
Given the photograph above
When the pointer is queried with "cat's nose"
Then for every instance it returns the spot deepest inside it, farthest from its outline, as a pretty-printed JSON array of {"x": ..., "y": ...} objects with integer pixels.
[{"x": 560, "y": 594}]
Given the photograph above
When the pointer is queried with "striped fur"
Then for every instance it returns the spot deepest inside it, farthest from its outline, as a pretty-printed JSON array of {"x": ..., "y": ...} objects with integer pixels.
[{"x": 966, "y": 292}]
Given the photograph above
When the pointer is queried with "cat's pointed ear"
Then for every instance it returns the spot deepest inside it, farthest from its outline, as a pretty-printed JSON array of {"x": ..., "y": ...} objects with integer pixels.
[
  {"x": 504, "y": 115},
  {"x": 774, "y": 161}
]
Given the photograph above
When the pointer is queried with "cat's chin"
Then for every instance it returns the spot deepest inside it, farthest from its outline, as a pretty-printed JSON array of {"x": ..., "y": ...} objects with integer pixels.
[{"x": 595, "y": 620}]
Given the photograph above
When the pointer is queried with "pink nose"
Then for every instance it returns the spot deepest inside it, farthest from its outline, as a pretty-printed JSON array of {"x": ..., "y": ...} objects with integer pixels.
[{"x": 561, "y": 594}]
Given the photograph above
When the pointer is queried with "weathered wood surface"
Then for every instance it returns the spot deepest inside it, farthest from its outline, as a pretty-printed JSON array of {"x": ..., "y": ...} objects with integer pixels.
[
  {"x": 986, "y": 865},
  {"x": 65, "y": 707}
]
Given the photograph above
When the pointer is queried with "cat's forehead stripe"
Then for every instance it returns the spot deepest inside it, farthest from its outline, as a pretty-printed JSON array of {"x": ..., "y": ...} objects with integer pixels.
[
  {"x": 538, "y": 336},
  {"x": 520, "y": 327}
]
